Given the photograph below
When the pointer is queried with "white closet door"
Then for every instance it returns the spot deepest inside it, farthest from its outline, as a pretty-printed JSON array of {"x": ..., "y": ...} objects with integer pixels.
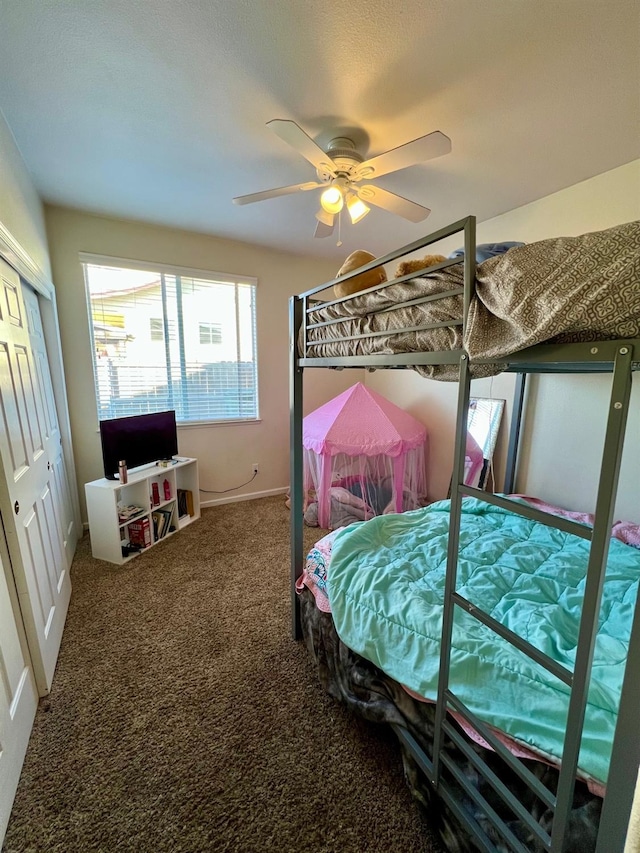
[
  {"x": 49, "y": 416},
  {"x": 34, "y": 517},
  {"x": 18, "y": 695}
]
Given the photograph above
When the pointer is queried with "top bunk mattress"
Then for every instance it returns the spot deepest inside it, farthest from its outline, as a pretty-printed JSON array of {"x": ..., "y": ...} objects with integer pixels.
[{"x": 560, "y": 290}]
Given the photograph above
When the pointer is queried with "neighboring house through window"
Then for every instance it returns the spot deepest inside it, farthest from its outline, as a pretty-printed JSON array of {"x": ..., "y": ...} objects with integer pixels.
[
  {"x": 210, "y": 333},
  {"x": 156, "y": 329},
  {"x": 171, "y": 338}
]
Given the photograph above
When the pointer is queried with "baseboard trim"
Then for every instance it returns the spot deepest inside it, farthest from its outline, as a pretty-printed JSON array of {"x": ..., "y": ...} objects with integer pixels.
[{"x": 251, "y": 496}]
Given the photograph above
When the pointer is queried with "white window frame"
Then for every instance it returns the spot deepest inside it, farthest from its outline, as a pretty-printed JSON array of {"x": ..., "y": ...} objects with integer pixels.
[{"x": 185, "y": 272}]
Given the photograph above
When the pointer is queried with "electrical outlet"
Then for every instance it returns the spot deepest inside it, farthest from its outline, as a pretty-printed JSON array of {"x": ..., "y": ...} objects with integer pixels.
[{"x": 255, "y": 467}]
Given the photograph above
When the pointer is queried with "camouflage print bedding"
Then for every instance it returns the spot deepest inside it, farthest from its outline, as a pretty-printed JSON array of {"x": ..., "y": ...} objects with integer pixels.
[{"x": 357, "y": 683}]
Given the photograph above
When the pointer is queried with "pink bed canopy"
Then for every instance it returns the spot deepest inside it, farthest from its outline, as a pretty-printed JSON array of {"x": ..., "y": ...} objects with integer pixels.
[{"x": 362, "y": 451}]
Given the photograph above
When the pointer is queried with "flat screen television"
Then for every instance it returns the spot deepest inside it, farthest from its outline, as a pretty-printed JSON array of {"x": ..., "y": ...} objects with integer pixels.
[{"x": 139, "y": 440}]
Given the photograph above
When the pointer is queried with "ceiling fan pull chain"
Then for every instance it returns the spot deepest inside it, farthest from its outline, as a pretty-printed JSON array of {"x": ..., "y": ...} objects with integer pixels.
[{"x": 339, "y": 243}]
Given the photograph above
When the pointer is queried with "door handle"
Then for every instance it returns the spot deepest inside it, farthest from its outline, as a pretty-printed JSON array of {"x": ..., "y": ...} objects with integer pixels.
[{"x": 16, "y": 507}]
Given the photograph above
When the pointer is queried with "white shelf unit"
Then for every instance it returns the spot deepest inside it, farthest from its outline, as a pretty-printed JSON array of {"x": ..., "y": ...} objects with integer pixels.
[{"x": 110, "y": 536}]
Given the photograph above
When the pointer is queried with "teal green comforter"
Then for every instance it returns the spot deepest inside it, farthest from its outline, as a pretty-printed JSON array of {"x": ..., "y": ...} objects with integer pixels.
[{"x": 386, "y": 585}]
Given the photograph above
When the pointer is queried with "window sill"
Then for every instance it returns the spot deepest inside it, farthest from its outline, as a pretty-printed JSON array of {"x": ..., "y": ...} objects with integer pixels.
[{"x": 206, "y": 424}]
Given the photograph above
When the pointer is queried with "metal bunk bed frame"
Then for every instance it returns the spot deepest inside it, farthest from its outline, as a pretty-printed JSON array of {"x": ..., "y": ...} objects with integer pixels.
[{"x": 613, "y": 356}]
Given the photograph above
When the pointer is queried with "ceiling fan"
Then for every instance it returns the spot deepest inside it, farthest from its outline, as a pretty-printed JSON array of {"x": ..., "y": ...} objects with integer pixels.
[{"x": 341, "y": 170}]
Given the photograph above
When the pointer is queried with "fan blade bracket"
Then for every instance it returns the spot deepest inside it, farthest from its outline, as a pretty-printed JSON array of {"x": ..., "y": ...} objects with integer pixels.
[
  {"x": 365, "y": 193},
  {"x": 363, "y": 174},
  {"x": 326, "y": 172}
]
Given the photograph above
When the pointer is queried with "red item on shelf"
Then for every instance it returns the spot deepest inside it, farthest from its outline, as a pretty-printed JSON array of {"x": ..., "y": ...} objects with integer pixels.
[
  {"x": 167, "y": 490},
  {"x": 140, "y": 533},
  {"x": 155, "y": 494}
]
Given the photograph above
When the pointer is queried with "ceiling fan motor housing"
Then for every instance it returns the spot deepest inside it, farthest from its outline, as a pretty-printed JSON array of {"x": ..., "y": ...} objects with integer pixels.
[{"x": 344, "y": 156}]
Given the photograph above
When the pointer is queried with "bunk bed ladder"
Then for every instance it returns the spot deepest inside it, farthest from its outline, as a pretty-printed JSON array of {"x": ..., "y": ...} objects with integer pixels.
[
  {"x": 578, "y": 680},
  {"x": 625, "y": 756},
  {"x": 605, "y": 503}
]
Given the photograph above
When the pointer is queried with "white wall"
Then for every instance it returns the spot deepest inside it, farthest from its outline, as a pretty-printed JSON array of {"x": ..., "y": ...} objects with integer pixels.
[
  {"x": 566, "y": 423},
  {"x": 225, "y": 453}
]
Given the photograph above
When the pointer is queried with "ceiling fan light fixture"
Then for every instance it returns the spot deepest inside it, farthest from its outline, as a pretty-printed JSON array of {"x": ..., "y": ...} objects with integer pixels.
[
  {"x": 332, "y": 199},
  {"x": 324, "y": 217},
  {"x": 357, "y": 208}
]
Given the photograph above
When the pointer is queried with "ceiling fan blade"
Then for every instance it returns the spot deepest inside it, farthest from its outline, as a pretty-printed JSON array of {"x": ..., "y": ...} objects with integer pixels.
[
  {"x": 295, "y": 136},
  {"x": 393, "y": 203},
  {"x": 249, "y": 199},
  {"x": 424, "y": 148},
  {"x": 323, "y": 229}
]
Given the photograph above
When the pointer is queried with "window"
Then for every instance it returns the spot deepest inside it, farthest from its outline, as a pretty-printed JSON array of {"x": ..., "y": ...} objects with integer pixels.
[
  {"x": 156, "y": 329},
  {"x": 169, "y": 338},
  {"x": 210, "y": 333}
]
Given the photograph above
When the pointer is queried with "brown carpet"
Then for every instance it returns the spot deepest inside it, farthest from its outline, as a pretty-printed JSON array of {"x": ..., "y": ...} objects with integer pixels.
[{"x": 183, "y": 717}]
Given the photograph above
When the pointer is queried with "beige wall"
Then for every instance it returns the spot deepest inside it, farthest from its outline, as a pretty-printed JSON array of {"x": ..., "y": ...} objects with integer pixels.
[
  {"x": 632, "y": 844},
  {"x": 225, "y": 453},
  {"x": 22, "y": 227},
  {"x": 21, "y": 211},
  {"x": 566, "y": 420}
]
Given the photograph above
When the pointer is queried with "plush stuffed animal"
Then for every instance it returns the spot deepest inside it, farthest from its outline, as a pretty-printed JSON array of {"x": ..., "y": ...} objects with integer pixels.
[
  {"x": 359, "y": 282},
  {"x": 417, "y": 264}
]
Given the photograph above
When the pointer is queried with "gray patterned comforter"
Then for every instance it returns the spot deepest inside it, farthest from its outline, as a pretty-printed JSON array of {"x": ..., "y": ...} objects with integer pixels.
[
  {"x": 365, "y": 689},
  {"x": 561, "y": 290}
]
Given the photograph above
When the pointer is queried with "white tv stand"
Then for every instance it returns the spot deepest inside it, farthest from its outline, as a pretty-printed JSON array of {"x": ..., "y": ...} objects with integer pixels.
[{"x": 110, "y": 535}]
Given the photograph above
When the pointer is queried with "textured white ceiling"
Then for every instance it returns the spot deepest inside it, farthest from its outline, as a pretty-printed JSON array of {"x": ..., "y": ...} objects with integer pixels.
[{"x": 156, "y": 109}]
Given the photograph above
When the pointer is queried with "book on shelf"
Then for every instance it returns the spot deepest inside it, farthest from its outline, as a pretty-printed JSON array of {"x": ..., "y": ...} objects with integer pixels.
[
  {"x": 139, "y": 532},
  {"x": 185, "y": 502},
  {"x": 161, "y": 522}
]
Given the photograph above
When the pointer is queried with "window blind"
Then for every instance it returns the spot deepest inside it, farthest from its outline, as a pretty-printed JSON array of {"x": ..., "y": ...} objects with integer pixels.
[{"x": 170, "y": 339}]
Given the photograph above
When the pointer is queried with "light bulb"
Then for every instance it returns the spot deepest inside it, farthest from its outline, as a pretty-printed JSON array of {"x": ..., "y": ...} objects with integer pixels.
[
  {"x": 332, "y": 200},
  {"x": 357, "y": 208}
]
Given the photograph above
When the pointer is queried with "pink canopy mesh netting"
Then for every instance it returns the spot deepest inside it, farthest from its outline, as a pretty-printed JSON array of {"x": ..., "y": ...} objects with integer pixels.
[{"x": 363, "y": 456}]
